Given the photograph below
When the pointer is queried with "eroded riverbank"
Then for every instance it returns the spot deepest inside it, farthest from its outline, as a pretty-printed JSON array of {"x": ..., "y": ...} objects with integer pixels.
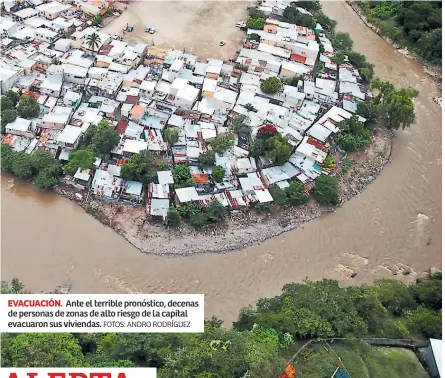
[
  {"x": 47, "y": 240},
  {"x": 243, "y": 228}
]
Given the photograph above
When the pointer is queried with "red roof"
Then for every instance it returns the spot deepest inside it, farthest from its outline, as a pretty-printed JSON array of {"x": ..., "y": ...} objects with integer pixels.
[
  {"x": 298, "y": 58},
  {"x": 132, "y": 100},
  {"x": 200, "y": 177},
  {"x": 122, "y": 126}
]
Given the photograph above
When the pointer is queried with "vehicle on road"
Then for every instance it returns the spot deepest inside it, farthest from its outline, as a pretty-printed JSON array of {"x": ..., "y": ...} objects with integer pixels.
[
  {"x": 150, "y": 30},
  {"x": 116, "y": 36},
  {"x": 130, "y": 29},
  {"x": 222, "y": 43},
  {"x": 116, "y": 14},
  {"x": 240, "y": 24}
]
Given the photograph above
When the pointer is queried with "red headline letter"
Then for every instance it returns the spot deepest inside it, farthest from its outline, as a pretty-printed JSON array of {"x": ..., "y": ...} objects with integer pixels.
[
  {"x": 31, "y": 375},
  {"x": 12, "y": 375}
]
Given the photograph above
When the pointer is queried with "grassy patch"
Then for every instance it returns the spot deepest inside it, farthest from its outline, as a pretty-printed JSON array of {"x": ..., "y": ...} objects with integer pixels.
[{"x": 360, "y": 360}]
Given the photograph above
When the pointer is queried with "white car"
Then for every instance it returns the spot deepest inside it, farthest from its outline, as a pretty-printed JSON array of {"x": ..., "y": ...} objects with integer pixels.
[
  {"x": 152, "y": 31},
  {"x": 116, "y": 14},
  {"x": 116, "y": 36},
  {"x": 222, "y": 43}
]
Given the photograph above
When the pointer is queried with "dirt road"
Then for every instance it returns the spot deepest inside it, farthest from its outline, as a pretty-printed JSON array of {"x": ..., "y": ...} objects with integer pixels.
[{"x": 196, "y": 26}]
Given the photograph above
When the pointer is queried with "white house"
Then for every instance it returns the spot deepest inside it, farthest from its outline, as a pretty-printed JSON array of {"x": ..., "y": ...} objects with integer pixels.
[{"x": 69, "y": 137}]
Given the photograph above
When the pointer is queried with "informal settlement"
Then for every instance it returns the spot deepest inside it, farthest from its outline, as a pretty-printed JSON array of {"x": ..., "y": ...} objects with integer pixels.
[{"x": 143, "y": 90}]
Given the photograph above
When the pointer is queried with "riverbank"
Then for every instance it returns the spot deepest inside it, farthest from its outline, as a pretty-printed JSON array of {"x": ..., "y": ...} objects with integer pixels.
[
  {"x": 242, "y": 228},
  {"x": 430, "y": 69}
]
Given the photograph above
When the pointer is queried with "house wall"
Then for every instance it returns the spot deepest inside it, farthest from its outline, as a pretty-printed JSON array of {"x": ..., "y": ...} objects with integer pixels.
[
  {"x": 8, "y": 83},
  {"x": 49, "y": 92},
  {"x": 73, "y": 78},
  {"x": 20, "y": 133}
]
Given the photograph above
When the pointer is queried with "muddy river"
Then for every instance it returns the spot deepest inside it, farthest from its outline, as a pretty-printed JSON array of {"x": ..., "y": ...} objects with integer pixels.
[{"x": 47, "y": 240}]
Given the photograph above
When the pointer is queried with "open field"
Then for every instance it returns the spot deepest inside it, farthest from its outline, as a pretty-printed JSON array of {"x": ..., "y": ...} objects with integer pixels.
[{"x": 196, "y": 26}]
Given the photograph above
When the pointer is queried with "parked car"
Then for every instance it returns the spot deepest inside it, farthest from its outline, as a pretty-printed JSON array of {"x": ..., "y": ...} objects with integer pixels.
[
  {"x": 116, "y": 36},
  {"x": 130, "y": 29},
  {"x": 147, "y": 30},
  {"x": 222, "y": 43},
  {"x": 152, "y": 31},
  {"x": 116, "y": 14}
]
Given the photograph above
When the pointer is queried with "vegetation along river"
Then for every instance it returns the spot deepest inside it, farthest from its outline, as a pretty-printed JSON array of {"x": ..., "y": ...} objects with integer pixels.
[{"x": 47, "y": 240}]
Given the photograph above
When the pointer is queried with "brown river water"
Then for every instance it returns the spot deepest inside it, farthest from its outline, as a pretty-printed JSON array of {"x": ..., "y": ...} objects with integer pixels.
[{"x": 47, "y": 240}]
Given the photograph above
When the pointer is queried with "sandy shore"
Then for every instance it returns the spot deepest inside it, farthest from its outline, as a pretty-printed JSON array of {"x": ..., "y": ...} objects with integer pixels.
[
  {"x": 242, "y": 228},
  {"x": 194, "y": 26}
]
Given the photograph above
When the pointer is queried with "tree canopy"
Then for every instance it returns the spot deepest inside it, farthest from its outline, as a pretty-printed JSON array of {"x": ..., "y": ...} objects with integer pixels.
[
  {"x": 326, "y": 190},
  {"x": 141, "y": 167},
  {"x": 83, "y": 159},
  {"x": 271, "y": 85},
  {"x": 172, "y": 135},
  {"x": 417, "y": 24},
  {"x": 395, "y": 107},
  {"x": 218, "y": 173},
  {"x": 293, "y": 16},
  {"x": 101, "y": 138},
  {"x": 28, "y": 107},
  {"x": 354, "y": 135},
  {"x": 261, "y": 339},
  {"x": 222, "y": 142},
  {"x": 276, "y": 148}
]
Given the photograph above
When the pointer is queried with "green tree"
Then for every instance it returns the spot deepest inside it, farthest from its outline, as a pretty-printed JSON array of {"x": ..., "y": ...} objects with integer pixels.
[
  {"x": 198, "y": 220},
  {"x": 5, "y": 103},
  {"x": 255, "y": 37},
  {"x": 396, "y": 107},
  {"x": 172, "y": 135},
  {"x": 173, "y": 218},
  {"x": 22, "y": 165},
  {"x": 279, "y": 195},
  {"x": 271, "y": 85},
  {"x": 222, "y": 142},
  {"x": 7, "y": 156},
  {"x": 215, "y": 211},
  {"x": 293, "y": 16},
  {"x": 309, "y": 5},
  {"x": 395, "y": 296},
  {"x": 97, "y": 20},
  {"x": 341, "y": 41},
  {"x": 206, "y": 159},
  {"x": 256, "y": 13},
  {"x": 255, "y": 23},
  {"x": 16, "y": 287},
  {"x": 326, "y": 190},
  {"x": 83, "y": 159},
  {"x": 218, "y": 173},
  {"x": 182, "y": 176},
  {"x": 45, "y": 350},
  {"x": 369, "y": 111},
  {"x": 325, "y": 21},
  {"x": 42, "y": 159},
  {"x": 278, "y": 149},
  {"x": 141, "y": 167},
  {"x": 13, "y": 96},
  {"x": 354, "y": 135},
  {"x": 28, "y": 107},
  {"x": 296, "y": 193},
  {"x": 48, "y": 177},
  {"x": 8, "y": 116},
  {"x": 101, "y": 138},
  {"x": 93, "y": 41},
  {"x": 239, "y": 125},
  {"x": 424, "y": 322}
]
